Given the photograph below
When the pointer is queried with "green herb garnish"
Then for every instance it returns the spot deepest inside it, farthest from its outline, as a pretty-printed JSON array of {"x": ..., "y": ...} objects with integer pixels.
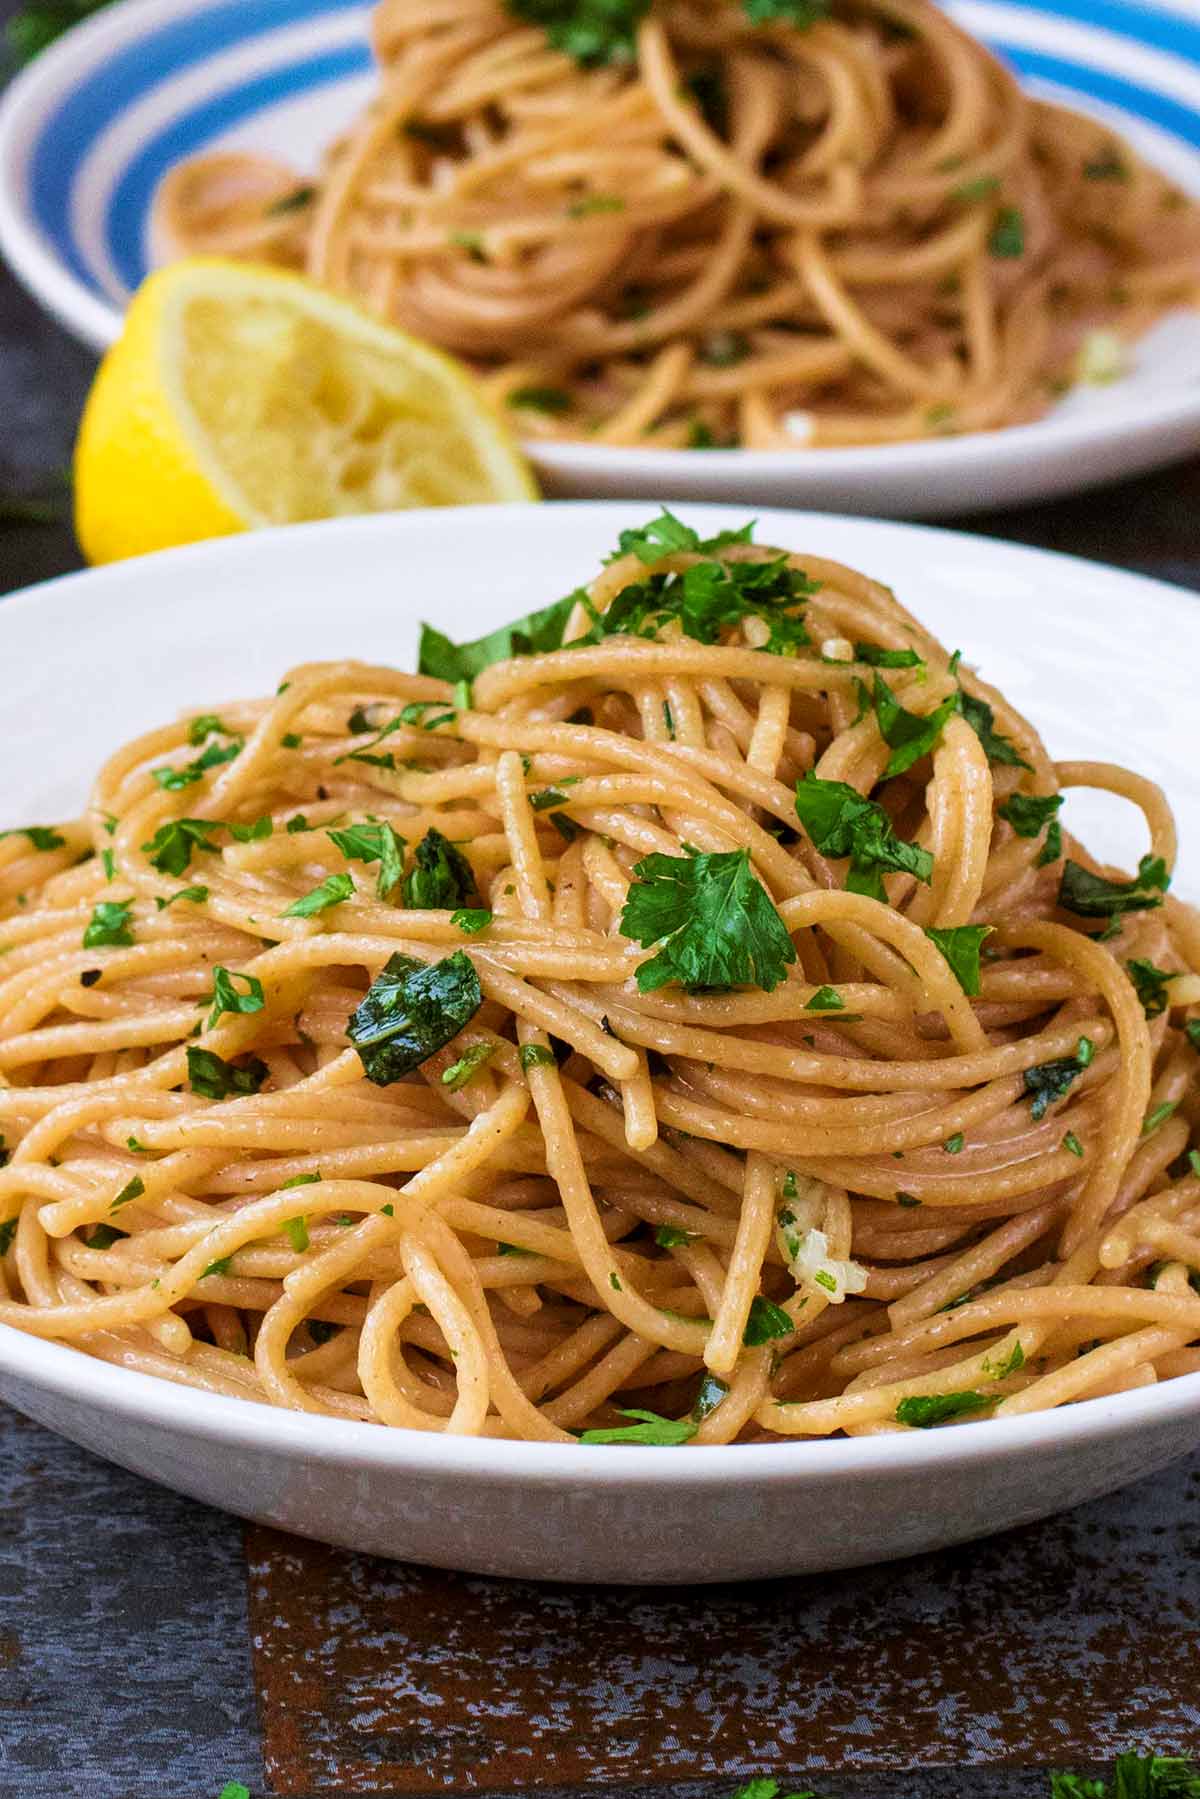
[
  {"x": 843, "y": 822},
  {"x": 713, "y": 920},
  {"x": 109, "y": 925},
  {"x": 651, "y": 1430},
  {"x": 213, "y": 1077},
  {"x": 411, "y": 1010},
  {"x": 333, "y": 890}
]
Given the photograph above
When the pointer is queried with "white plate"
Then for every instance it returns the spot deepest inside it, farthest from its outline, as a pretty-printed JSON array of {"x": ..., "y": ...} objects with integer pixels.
[
  {"x": 88, "y": 131},
  {"x": 1103, "y": 662}
]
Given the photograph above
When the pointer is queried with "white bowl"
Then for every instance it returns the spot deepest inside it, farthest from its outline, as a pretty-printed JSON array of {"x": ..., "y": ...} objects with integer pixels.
[
  {"x": 1103, "y": 661},
  {"x": 89, "y": 129}
]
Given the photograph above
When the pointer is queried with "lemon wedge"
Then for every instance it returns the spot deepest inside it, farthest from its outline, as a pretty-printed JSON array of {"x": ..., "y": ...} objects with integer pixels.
[{"x": 240, "y": 396}]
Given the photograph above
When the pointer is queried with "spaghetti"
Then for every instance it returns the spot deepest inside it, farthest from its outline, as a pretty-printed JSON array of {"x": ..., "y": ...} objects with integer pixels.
[
  {"x": 771, "y": 225},
  {"x": 685, "y": 1006}
]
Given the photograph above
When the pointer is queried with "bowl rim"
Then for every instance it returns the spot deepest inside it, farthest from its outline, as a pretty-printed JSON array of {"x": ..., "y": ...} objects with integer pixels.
[
  {"x": 149, "y": 1399},
  {"x": 53, "y": 1368},
  {"x": 1172, "y": 414}
]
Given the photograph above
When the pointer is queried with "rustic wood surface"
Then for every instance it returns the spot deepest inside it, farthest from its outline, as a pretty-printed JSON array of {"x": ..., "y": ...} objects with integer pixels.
[{"x": 152, "y": 1649}]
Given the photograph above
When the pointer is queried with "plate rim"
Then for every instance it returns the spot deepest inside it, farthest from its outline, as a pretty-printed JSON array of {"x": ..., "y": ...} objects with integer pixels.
[
  {"x": 1170, "y": 418},
  {"x": 51, "y": 1367}
]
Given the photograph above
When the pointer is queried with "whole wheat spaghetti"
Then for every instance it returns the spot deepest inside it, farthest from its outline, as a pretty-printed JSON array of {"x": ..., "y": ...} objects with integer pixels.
[
  {"x": 687, "y": 1003},
  {"x": 765, "y": 223}
]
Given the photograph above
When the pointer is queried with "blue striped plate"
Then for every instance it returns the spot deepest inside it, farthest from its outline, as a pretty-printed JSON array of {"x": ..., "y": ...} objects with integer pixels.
[{"x": 88, "y": 131}]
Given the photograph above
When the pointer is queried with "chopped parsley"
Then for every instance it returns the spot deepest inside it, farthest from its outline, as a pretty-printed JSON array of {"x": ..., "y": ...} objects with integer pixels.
[
  {"x": 411, "y": 1010},
  {"x": 1071, "y": 1142},
  {"x": 331, "y": 892},
  {"x": 924, "y": 1410},
  {"x": 213, "y": 1077},
  {"x": 471, "y": 919},
  {"x": 296, "y": 201},
  {"x": 650, "y": 1430},
  {"x": 826, "y": 999},
  {"x": 195, "y": 896},
  {"x": 1092, "y": 896},
  {"x": 226, "y": 996},
  {"x": 301, "y": 1180},
  {"x": 843, "y": 822},
  {"x": 254, "y": 832},
  {"x": 535, "y": 1055},
  {"x": 440, "y": 878},
  {"x": 109, "y": 925},
  {"x": 1029, "y": 813},
  {"x": 371, "y": 843},
  {"x": 171, "y": 848},
  {"x": 593, "y": 32},
  {"x": 1151, "y": 985},
  {"x": 468, "y": 1065},
  {"x": 953, "y": 1145},
  {"x": 765, "y": 1321},
  {"x": 712, "y": 919},
  {"x": 709, "y": 1395},
  {"x": 536, "y": 634},
  {"x": 909, "y": 735},
  {"x": 875, "y": 656},
  {"x": 982, "y": 720},
  {"x": 552, "y": 400},
  {"x": 297, "y": 1233},
  {"x": 103, "y": 1236},
  {"x": 1158, "y": 1116},
  {"x": 133, "y": 1189},
  {"x": 1008, "y": 233},
  {"x": 8, "y": 1230},
  {"x": 1049, "y": 1081},
  {"x": 706, "y": 598},
  {"x": 42, "y": 837},
  {"x": 174, "y": 780},
  {"x": 670, "y": 1236},
  {"x": 801, "y": 15},
  {"x": 961, "y": 944}
]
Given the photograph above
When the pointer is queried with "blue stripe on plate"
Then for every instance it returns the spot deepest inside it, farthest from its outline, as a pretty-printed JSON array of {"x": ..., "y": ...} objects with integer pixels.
[
  {"x": 132, "y": 197},
  {"x": 1143, "y": 102},
  {"x": 1143, "y": 24},
  {"x": 122, "y": 79}
]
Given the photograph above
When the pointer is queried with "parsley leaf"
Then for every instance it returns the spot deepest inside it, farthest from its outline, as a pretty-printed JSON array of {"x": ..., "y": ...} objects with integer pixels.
[
  {"x": 982, "y": 720},
  {"x": 592, "y": 31},
  {"x": 411, "y": 1010},
  {"x": 875, "y": 656},
  {"x": 1092, "y": 896},
  {"x": 765, "y": 1321},
  {"x": 373, "y": 843},
  {"x": 440, "y": 878},
  {"x": 41, "y": 837},
  {"x": 553, "y": 400},
  {"x": 826, "y": 999},
  {"x": 709, "y": 1395},
  {"x": 133, "y": 1189},
  {"x": 109, "y": 924},
  {"x": 1151, "y": 984},
  {"x": 801, "y": 15},
  {"x": 842, "y": 822},
  {"x": 708, "y": 598},
  {"x": 1049, "y": 1081},
  {"x": 195, "y": 896},
  {"x": 1028, "y": 813},
  {"x": 471, "y": 919},
  {"x": 535, "y": 1055},
  {"x": 536, "y": 634},
  {"x": 1008, "y": 233},
  {"x": 960, "y": 944},
  {"x": 468, "y": 1065},
  {"x": 652, "y": 1430},
  {"x": 924, "y": 1410},
  {"x": 8, "y": 1230},
  {"x": 714, "y": 921},
  {"x": 909, "y": 735},
  {"x": 227, "y": 998},
  {"x": 253, "y": 832},
  {"x": 331, "y": 892},
  {"x": 171, "y": 848},
  {"x": 175, "y": 779},
  {"x": 670, "y": 1236},
  {"x": 213, "y": 1077}
]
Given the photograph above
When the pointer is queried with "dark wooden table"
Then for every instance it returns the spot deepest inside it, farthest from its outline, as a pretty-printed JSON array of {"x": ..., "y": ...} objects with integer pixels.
[{"x": 153, "y": 1649}]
